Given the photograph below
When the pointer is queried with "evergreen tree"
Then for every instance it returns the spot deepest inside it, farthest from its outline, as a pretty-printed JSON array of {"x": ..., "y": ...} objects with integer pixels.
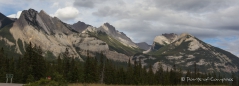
[
  {"x": 59, "y": 65},
  {"x": 129, "y": 73},
  {"x": 234, "y": 82},
  {"x": 73, "y": 75},
  {"x": 159, "y": 74},
  {"x": 150, "y": 76},
  {"x": 101, "y": 68},
  {"x": 2, "y": 65},
  {"x": 109, "y": 74}
]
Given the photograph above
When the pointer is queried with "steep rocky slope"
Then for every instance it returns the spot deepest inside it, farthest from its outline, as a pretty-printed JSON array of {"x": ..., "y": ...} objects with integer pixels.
[
  {"x": 188, "y": 50},
  {"x": 4, "y": 20},
  {"x": 143, "y": 45},
  {"x": 55, "y": 36}
]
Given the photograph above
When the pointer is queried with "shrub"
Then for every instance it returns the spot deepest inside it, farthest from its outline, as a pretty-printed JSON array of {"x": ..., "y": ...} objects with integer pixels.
[{"x": 46, "y": 82}]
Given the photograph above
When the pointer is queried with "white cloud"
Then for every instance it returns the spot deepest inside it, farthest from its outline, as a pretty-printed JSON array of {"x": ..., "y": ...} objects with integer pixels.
[
  {"x": 67, "y": 13},
  {"x": 201, "y": 18},
  {"x": 15, "y": 15},
  {"x": 55, "y": 4}
]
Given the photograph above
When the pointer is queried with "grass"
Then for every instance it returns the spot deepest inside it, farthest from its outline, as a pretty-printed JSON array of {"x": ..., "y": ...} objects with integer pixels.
[{"x": 134, "y": 85}]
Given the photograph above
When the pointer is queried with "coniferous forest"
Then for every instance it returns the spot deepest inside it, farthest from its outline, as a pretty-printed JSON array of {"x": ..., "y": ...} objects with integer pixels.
[{"x": 33, "y": 66}]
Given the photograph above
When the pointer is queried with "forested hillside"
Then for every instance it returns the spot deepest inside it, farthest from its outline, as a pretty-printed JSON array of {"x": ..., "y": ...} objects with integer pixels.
[{"x": 32, "y": 66}]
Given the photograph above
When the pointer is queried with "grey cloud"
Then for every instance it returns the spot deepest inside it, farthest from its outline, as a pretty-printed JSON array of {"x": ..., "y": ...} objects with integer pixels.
[
  {"x": 192, "y": 5},
  {"x": 84, "y": 3},
  {"x": 144, "y": 20},
  {"x": 89, "y": 3},
  {"x": 144, "y": 31},
  {"x": 112, "y": 12}
]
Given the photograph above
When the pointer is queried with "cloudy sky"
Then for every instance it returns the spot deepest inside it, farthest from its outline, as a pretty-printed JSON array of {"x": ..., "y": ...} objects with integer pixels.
[{"x": 213, "y": 21}]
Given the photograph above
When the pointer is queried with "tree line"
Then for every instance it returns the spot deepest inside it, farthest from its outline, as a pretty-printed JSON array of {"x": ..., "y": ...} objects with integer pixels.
[{"x": 32, "y": 66}]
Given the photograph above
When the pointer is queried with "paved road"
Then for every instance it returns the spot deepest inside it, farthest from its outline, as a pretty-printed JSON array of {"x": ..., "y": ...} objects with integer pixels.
[{"x": 10, "y": 84}]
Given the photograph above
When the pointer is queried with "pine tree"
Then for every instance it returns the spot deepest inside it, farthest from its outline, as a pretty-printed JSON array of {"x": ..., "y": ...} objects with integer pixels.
[
  {"x": 129, "y": 74},
  {"x": 73, "y": 73},
  {"x": 110, "y": 73},
  {"x": 39, "y": 64},
  {"x": 234, "y": 82},
  {"x": 136, "y": 73},
  {"x": 2, "y": 65},
  {"x": 27, "y": 63},
  {"x": 150, "y": 76},
  {"x": 59, "y": 65},
  {"x": 101, "y": 68},
  {"x": 159, "y": 74}
]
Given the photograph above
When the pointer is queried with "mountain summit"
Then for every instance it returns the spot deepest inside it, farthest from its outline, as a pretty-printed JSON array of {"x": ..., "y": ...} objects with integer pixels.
[
  {"x": 80, "y": 39},
  {"x": 120, "y": 36},
  {"x": 4, "y": 20},
  {"x": 55, "y": 36},
  {"x": 143, "y": 45},
  {"x": 79, "y": 26},
  {"x": 43, "y": 22},
  {"x": 186, "y": 50}
]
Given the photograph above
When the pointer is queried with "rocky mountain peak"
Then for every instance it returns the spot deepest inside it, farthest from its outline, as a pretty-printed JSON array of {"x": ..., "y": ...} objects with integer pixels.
[
  {"x": 143, "y": 45},
  {"x": 79, "y": 26},
  {"x": 2, "y": 16},
  {"x": 30, "y": 16},
  {"x": 42, "y": 12},
  {"x": 4, "y": 20},
  {"x": 107, "y": 27},
  {"x": 31, "y": 13},
  {"x": 170, "y": 36},
  {"x": 120, "y": 36},
  {"x": 166, "y": 38}
]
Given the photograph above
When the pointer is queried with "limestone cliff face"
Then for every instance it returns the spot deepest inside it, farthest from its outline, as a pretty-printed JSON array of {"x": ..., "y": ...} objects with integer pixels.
[
  {"x": 55, "y": 36},
  {"x": 187, "y": 50},
  {"x": 120, "y": 36}
]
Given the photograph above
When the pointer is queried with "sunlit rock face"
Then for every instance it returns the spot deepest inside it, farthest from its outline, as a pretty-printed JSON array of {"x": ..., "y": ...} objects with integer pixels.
[{"x": 55, "y": 36}]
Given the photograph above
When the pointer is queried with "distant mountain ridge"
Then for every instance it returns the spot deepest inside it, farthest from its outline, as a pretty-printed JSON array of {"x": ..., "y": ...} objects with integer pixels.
[
  {"x": 143, "y": 45},
  {"x": 186, "y": 50},
  {"x": 4, "y": 20},
  {"x": 54, "y": 36},
  {"x": 79, "y": 26},
  {"x": 120, "y": 36}
]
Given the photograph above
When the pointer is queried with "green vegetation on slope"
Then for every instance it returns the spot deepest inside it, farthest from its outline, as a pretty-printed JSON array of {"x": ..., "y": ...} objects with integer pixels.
[
  {"x": 5, "y": 33},
  {"x": 116, "y": 45},
  {"x": 32, "y": 68}
]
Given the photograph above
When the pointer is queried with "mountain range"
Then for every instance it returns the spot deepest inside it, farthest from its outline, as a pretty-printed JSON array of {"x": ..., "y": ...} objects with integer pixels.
[{"x": 54, "y": 36}]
